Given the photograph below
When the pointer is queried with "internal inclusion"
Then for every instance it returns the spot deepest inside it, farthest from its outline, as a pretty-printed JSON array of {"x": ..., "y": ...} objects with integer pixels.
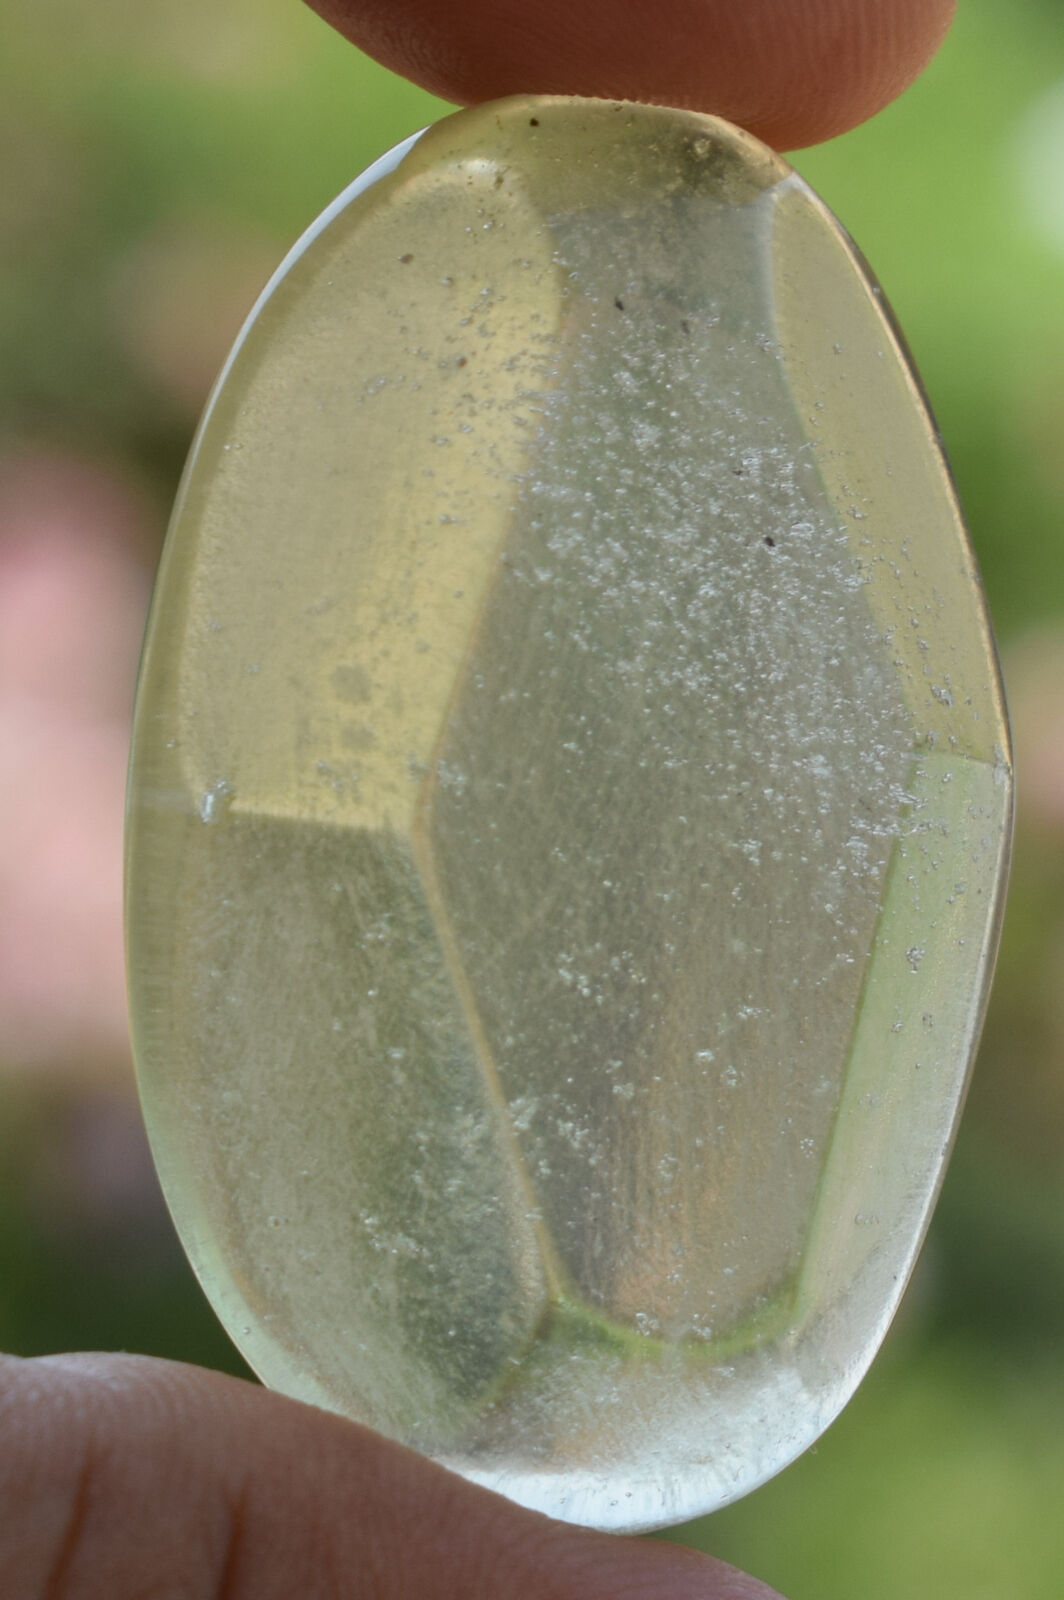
[
  {"x": 674, "y": 677},
  {"x": 567, "y": 1321},
  {"x": 737, "y": 466},
  {"x": 932, "y": 856}
]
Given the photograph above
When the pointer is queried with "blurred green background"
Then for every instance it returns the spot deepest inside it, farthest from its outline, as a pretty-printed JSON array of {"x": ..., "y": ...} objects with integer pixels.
[{"x": 155, "y": 162}]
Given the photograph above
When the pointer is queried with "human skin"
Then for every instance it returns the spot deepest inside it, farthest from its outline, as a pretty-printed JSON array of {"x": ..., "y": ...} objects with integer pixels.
[
  {"x": 124, "y": 1477},
  {"x": 791, "y": 71}
]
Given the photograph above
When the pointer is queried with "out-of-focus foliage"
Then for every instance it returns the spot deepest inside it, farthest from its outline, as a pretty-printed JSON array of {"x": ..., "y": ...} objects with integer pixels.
[
  {"x": 156, "y": 161},
  {"x": 956, "y": 195}
]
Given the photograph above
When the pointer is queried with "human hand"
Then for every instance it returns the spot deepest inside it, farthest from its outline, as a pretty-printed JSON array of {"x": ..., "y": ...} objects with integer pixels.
[{"x": 122, "y": 1476}]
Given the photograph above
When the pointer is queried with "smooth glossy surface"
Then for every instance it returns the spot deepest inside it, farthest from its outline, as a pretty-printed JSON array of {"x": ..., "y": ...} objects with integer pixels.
[{"x": 568, "y": 815}]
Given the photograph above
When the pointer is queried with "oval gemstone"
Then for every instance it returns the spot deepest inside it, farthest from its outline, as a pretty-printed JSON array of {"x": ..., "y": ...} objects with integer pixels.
[{"x": 568, "y": 815}]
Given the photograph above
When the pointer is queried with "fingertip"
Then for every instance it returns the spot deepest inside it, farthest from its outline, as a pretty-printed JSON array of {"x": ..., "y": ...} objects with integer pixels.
[
  {"x": 830, "y": 68},
  {"x": 138, "y": 1475},
  {"x": 792, "y": 73}
]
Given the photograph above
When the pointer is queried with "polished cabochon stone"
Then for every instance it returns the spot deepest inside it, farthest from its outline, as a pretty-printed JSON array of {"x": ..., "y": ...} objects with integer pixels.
[{"x": 568, "y": 814}]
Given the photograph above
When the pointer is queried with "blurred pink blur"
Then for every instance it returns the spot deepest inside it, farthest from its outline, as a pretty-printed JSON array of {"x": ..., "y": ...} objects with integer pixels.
[{"x": 75, "y": 562}]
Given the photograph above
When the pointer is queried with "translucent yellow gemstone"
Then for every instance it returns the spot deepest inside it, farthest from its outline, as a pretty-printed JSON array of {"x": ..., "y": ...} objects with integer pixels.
[{"x": 568, "y": 814}]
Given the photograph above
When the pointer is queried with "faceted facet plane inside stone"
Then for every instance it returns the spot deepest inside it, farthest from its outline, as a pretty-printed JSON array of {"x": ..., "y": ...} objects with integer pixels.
[
  {"x": 569, "y": 803},
  {"x": 660, "y": 846}
]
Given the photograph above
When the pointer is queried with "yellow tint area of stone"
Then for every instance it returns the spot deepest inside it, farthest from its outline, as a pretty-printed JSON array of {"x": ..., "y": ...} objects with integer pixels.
[
  {"x": 377, "y": 417},
  {"x": 568, "y": 814}
]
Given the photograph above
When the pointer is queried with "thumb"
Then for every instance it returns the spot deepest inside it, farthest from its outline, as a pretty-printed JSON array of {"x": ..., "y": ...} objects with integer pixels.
[{"x": 125, "y": 1476}]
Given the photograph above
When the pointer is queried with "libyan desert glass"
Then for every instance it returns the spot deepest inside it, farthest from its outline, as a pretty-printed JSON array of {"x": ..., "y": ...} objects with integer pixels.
[{"x": 568, "y": 814}]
